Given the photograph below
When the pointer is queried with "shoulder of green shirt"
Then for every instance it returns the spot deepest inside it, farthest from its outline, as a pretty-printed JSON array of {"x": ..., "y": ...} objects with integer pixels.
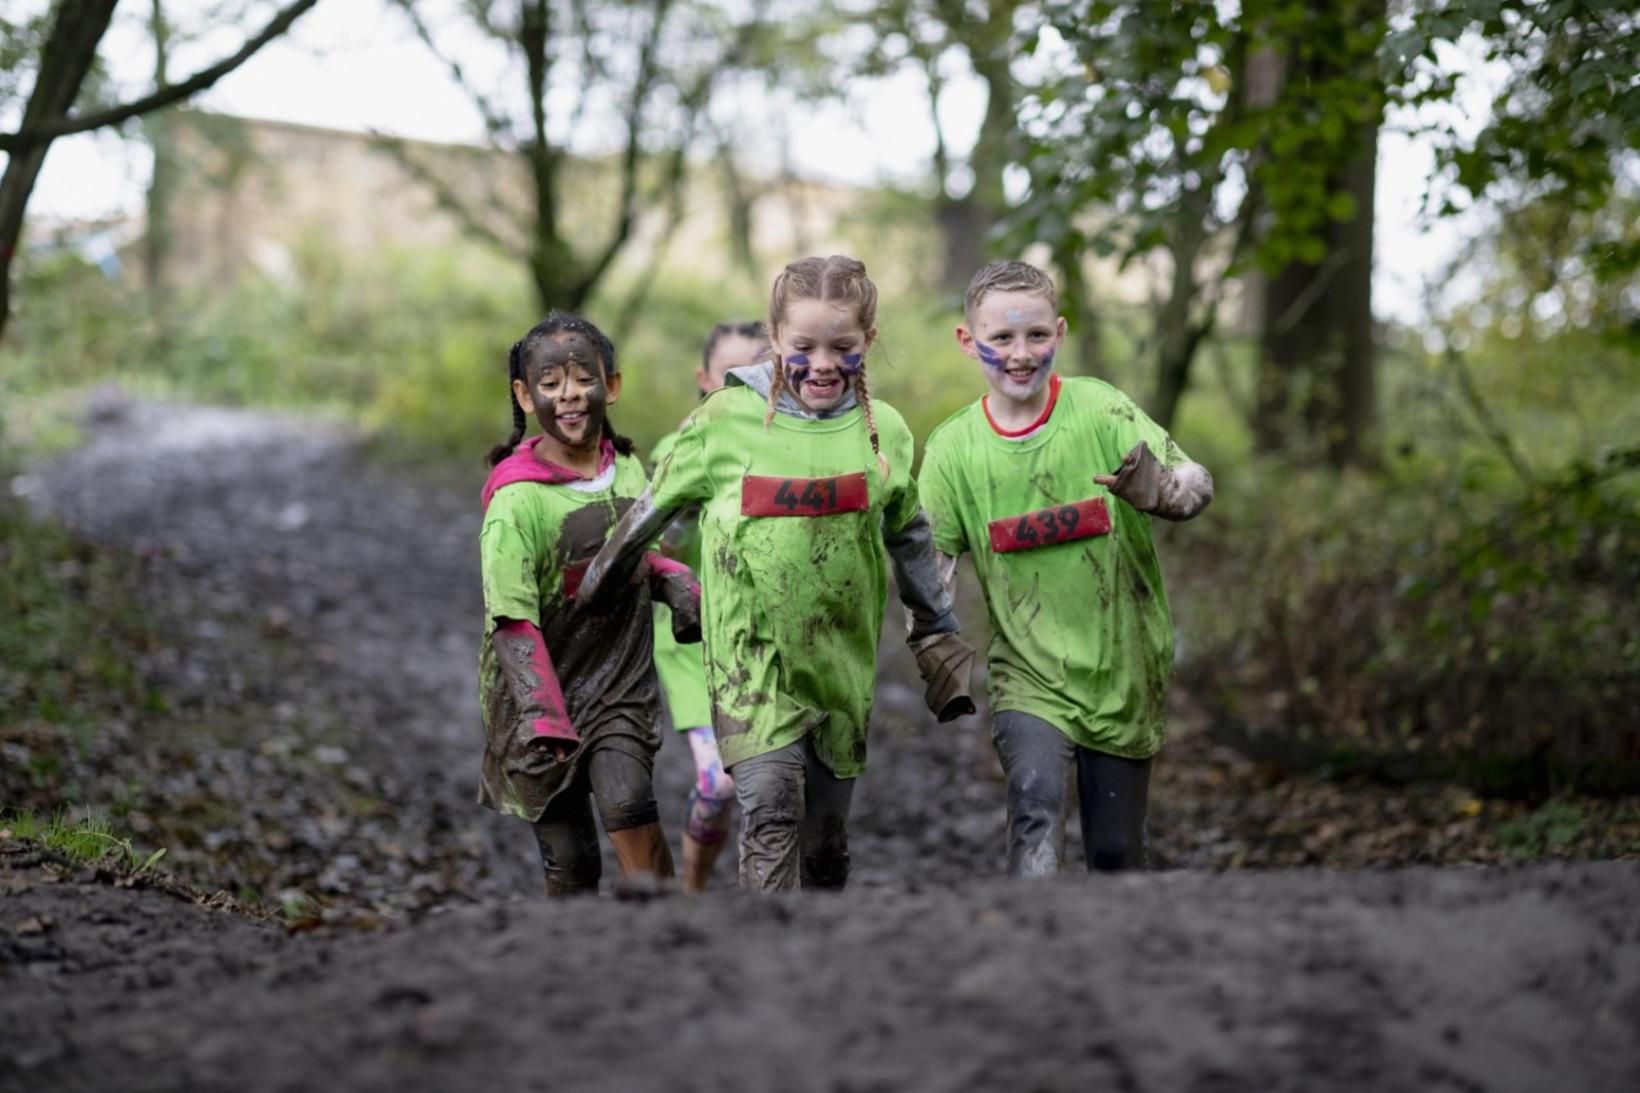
[{"x": 950, "y": 425}]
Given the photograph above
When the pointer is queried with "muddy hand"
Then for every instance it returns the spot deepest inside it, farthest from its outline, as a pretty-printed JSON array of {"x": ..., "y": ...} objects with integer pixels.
[{"x": 559, "y": 748}]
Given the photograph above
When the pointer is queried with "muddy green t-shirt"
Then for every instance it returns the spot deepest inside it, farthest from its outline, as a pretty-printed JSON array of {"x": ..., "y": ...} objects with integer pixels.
[
  {"x": 1081, "y": 634},
  {"x": 535, "y": 541},
  {"x": 793, "y": 568},
  {"x": 681, "y": 667}
]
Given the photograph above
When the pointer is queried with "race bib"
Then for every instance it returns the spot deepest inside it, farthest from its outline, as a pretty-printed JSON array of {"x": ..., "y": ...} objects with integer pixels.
[
  {"x": 1050, "y": 526},
  {"x": 766, "y": 495}
]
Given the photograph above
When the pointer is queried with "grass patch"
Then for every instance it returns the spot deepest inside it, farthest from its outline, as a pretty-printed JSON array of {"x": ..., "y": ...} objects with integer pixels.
[{"x": 87, "y": 839}]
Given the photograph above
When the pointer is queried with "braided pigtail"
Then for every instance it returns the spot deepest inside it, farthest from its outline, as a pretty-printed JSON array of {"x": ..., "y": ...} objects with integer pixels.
[
  {"x": 864, "y": 396},
  {"x": 623, "y": 444},
  {"x": 515, "y": 370},
  {"x": 776, "y": 385}
]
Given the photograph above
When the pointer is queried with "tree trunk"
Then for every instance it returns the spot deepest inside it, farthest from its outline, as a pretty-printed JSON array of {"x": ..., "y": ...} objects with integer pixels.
[
  {"x": 158, "y": 234},
  {"x": 965, "y": 223},
  {"x": 66, "y": 58},
  {"x": 1315, "y": 385}
]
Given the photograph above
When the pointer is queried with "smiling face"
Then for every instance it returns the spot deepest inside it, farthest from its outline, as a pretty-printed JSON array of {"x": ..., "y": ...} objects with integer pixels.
[
  {"x": 822, "y": 347},
  {"x": 1014, "y": 336},
  {"x": 567, "y": 390}
]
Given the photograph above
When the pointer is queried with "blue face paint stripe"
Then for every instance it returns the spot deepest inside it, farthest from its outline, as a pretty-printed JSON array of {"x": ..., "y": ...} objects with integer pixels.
[
  {"x": 988, "y": 355},
  {"x": 852, "y": 363},
  {"x": 797, "y": 367}
]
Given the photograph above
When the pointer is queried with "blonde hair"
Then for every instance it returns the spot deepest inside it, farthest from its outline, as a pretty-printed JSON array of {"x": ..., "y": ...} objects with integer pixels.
[
  {"x": 834, "y": 280},
  {"x": 1007, "y": 277}
]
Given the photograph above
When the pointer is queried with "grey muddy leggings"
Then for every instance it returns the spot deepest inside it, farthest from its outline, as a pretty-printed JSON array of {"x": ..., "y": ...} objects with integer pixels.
[
  {"x": 794, "y": 830},
  {"x": 1114, "y": 793}
]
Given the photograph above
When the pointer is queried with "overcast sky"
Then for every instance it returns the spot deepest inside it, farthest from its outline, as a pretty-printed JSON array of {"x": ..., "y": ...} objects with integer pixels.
[{"x": 353, "y": 64}]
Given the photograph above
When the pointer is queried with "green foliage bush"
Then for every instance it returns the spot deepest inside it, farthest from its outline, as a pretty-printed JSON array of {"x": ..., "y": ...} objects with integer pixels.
[{"x": 1426, "y": 627}]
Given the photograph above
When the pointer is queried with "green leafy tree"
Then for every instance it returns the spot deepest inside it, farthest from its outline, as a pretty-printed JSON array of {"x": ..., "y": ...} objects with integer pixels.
[{"x": 1174, "y": 134}]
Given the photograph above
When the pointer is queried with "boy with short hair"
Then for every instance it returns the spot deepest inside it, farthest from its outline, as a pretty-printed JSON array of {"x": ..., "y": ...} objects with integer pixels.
[{"x": 1051, "y": 484}]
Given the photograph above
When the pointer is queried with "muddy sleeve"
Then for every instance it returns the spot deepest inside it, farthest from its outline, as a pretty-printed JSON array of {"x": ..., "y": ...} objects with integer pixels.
[
  {"x": 1154, "y": 475},
  {"x": 529, "y": 676},
  {"x": 679, "y": 481},
  {"x": 926, "y": 598},
  {"x": 507, "y": 560},
  {"x": 623, "y": 552},
  {"x": 1178, "y": 492},
  {"x": 674, "y": 584}
]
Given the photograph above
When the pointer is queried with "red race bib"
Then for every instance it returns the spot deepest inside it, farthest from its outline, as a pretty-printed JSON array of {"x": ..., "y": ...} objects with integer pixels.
[
  {"x": 1047, "y": 527},
  {"x": 765, "y": 495}
]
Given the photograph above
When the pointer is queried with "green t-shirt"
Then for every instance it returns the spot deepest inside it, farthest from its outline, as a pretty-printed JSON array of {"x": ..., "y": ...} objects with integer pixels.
[
  {"x": 681, "y": 667},
  {"x": 1081, "y": 633},
  {"x": 535, "y": 535},
  {"x": 792, "y": 603}
]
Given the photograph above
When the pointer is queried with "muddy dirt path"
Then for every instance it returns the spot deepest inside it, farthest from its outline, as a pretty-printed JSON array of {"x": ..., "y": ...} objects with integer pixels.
[{"x": 321, "y": 743}]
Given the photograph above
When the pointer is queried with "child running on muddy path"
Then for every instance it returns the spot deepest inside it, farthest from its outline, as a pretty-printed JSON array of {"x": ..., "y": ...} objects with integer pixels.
[
  {"x": 1051, "y": 483},
  {"x": 805, "y": 485},
  {"x": 681, "y": 669},
  {"x": 570, "y": 700}
]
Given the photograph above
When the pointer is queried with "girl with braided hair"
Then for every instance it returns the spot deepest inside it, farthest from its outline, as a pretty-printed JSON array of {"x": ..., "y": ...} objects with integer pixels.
[
  {"x": 569, "y": 698},
  {"x": 805, "y": 489}
]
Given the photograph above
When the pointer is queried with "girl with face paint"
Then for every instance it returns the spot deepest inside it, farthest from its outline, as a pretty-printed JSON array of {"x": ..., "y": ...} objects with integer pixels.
[
  {"x": 682, "y": 671},
  {"x": 1051, "y": 485},
  {"x": 569, "y": 699},
  {"x": 805, "y": 492}
]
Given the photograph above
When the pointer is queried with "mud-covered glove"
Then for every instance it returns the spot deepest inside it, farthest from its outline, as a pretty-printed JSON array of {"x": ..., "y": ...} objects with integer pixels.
[
  {"x": 1173, "y": 493},
  {"x": 946, "y": 664},
  {"x": 674, "y": 584}
]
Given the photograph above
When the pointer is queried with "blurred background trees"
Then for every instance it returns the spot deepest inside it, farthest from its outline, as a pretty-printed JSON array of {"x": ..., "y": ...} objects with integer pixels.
[{"x": 1423, "y": 554}]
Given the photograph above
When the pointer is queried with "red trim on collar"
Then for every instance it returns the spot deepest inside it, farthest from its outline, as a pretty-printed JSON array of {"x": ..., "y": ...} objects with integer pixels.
[{"x": 1047, "y": 411}]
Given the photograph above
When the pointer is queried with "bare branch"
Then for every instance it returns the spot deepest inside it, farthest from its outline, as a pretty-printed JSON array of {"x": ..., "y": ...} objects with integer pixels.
[
  {"x": 161, "y": 97},
  {"x": 445, "y": 195},
  {"x": 495, "y": 122},
  {"x": 647, "y": 72}
]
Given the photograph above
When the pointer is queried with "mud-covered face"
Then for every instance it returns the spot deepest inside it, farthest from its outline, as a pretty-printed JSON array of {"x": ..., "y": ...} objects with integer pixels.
[
  {"x": 567, "y": 390},
  {"x": 1014, "y": 336},
  {"x": 822, "y": 347}
]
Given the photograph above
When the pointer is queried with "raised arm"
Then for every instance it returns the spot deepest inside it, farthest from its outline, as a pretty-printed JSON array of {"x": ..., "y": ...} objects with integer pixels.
[{"x": 1178, "y": 492}]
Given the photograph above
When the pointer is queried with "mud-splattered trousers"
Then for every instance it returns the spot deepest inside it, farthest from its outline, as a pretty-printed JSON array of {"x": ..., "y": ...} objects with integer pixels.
[
  {"x": 795, "y": 825},
  {"x": 1112, "y": 792}
]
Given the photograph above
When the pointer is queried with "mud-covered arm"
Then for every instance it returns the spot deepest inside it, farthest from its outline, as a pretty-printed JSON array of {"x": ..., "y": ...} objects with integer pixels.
[
  {"x": 927, "y": 599},
  {"x": 529, "y": 676},
  {"x": 1178, "y": 492},
  {"x": 674, "y": 584},
  {"x": 679, "y": 481},
  {"x": 944, "y": 660},
  {"x": 625, "y": 549}
]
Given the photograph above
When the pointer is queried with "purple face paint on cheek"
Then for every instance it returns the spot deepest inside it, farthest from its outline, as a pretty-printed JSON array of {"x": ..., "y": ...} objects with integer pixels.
[
  {"x": 987, "y": 355},
  {"x": 1047, "y": 358},
  {"x": 852, "y": 363},
  {"x": 797, "y": 367}
]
